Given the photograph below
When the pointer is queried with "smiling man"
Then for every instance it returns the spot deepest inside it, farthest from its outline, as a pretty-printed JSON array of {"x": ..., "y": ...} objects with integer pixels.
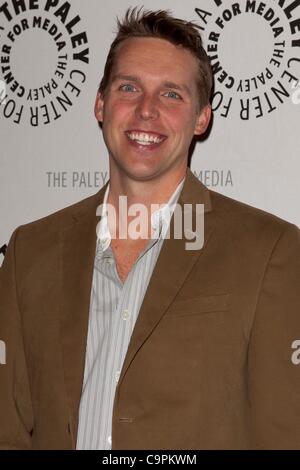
[
  {"x": 125, "y": 339},
  {"x": 149, "y": 121}
]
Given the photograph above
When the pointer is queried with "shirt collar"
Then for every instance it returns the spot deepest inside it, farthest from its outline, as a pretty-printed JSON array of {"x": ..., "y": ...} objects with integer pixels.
[
  {"x": 160, "y": 218},
  {"x": 103, "y": 233}
]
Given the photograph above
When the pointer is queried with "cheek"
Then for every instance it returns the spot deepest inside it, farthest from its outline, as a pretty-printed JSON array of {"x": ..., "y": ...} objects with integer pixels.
[
  {"x": 116, "y": 111},
  {"x": 182, "y": 125}
]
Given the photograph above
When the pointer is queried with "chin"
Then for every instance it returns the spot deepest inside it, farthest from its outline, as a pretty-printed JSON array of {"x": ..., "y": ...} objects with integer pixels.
[
  {"x": 138, "y": 170},
  {"x": 142, "y": 175}
]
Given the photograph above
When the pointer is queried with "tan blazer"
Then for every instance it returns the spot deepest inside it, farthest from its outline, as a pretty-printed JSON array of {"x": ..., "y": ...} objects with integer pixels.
[{"x": 210, "y": 364}]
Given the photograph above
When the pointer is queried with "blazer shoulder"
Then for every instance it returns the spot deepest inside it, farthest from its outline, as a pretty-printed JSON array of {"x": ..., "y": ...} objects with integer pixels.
[
  {"x": 64, "y": 217},
  {"x": 250, "y": 217},
  {"x": 33, "y": 241}
]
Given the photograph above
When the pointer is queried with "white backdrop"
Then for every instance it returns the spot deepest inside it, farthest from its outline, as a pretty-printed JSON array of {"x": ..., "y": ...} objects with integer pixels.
[{"x": 52, "y": 54}]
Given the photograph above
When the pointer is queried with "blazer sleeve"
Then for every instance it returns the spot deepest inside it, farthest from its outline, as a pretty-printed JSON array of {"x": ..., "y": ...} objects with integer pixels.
[
  {"x": 16, "y": 423},
  {"x": 274, "y": 350}
]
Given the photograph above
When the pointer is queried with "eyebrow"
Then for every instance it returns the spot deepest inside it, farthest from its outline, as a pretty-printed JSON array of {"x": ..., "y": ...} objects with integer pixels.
[
  {"x": 131, "y": 78},
  {"x": 136, "y": 79}
]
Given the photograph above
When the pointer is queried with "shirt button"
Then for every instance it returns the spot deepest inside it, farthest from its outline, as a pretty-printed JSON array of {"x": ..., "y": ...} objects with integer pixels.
[
  {"x": 125, "y": 314},
  {"x": 109, "y": 441},
  {"x": 117, "y": 376}
]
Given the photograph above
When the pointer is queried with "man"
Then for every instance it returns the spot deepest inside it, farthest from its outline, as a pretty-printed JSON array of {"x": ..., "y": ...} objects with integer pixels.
[{"x": 129, "y": 342}]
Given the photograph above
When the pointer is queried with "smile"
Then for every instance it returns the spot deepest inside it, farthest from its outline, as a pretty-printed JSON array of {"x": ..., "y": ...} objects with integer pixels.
[{"x": 145, "y": 138}]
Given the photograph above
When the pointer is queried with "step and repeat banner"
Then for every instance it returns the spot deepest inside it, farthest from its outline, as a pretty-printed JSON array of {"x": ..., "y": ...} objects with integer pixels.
[{"x": 52, "y": 54}]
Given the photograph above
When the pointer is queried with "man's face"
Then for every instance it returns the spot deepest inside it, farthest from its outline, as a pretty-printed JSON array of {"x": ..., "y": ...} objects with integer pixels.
[{"x": 150, "y": 110}]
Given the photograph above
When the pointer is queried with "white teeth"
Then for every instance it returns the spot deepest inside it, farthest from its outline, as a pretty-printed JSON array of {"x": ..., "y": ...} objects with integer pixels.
[
  {"x": 143, "y": 138},
  {"x": 141, "y": 142}
]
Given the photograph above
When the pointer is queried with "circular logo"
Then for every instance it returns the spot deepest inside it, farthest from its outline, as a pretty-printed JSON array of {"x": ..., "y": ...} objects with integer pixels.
[
  {"x": 254, "y": 51},
  {"x": 44, "y": 54}
]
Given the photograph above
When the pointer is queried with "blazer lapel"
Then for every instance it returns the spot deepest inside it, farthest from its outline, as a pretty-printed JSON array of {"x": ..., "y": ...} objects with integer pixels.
[
  {"x": 78, "y": 245},
  {"x": 173, "y": 266}
]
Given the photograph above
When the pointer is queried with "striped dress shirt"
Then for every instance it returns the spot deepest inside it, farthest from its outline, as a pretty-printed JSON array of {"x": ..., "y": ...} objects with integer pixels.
[{"x": 114, "y": 308}]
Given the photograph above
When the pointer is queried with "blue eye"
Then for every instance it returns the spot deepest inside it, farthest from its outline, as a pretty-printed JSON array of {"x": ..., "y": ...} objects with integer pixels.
[
  {"x": 127, "y": 87},
  {"x": 173, "y": 95}
]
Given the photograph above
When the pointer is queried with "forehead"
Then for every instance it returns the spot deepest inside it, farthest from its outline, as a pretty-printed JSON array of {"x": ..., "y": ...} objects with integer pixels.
[{"x": 156, "y": 58}]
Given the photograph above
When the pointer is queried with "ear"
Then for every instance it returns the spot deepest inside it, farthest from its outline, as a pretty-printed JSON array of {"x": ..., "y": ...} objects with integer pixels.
[
  {"x": 99, "y": 105},
  {"x": 203, "y": 120}
]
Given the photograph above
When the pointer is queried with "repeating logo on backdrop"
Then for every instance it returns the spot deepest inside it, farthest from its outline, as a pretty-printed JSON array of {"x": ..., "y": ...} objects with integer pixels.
[
  {"x": 44, "y": 54},
  {"x": 254, "y": 51}
]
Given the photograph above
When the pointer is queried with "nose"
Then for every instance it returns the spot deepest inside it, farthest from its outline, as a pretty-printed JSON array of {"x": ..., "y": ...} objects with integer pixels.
[{"x": 147, "y": 108}]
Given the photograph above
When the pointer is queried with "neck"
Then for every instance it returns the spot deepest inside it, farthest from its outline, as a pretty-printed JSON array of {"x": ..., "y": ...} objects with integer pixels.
[
  {"x": 150, "y": 194},
  {"x": 154, "y": 191}
]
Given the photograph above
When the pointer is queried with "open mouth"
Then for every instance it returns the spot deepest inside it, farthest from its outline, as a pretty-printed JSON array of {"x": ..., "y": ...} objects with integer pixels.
[{"x": 145, "y": 139}]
